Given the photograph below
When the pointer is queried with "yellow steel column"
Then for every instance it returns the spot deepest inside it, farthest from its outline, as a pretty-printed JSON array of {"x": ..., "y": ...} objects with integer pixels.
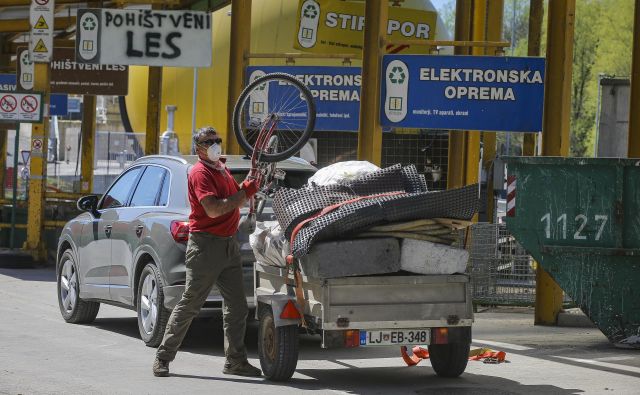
[
  {"x": 40, "y": 131},
  {"x": 88, "y": 130},
  {"x": 634, "y": 99},
  {"x": 491, "y": 31},
  {"x": 154, "y": 100},
  {"x": 5, "y": 59},
  {"x": 536, "y": 13},
  {"x": 240, "y": 45},
  {"x": 370, "y": 134},
  {"x": 557, "y": 106},
  {"x": 555, "y": 128},
  {"x": 456, "y": 168},
  {"x": 3, "y": 159}
]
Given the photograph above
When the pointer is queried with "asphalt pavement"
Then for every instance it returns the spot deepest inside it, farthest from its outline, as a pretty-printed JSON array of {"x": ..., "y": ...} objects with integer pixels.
[{"x": 41, "y": 354}]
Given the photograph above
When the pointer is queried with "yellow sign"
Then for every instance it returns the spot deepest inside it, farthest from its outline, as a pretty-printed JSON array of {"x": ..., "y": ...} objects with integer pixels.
[
  {"x": 40, "y": 47},
  {"x": 41, "y": 23},
  {"x": 336, "y": 26}
]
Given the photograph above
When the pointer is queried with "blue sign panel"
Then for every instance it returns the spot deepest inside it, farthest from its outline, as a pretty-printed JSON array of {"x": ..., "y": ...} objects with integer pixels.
[
  {"x": 336, "y": 91},
  {"x": 494, "y": 93},
  {"x": 7, "y": 82},
  {"x": 58, "y": 105},
  {"x": 73, "y": 105}
]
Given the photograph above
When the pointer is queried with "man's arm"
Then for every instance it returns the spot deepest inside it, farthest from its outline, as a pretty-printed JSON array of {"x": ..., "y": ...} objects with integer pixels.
[{"x": 219, "y": 207}]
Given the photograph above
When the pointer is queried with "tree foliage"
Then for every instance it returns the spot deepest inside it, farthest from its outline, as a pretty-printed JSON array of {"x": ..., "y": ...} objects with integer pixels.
[{"x": 602, "y": 46}]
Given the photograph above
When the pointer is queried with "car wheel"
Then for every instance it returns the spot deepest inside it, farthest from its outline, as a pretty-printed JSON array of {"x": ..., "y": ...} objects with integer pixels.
[
  {"x": 152, "y": 315},
  {"x": 73, "y": 309}
]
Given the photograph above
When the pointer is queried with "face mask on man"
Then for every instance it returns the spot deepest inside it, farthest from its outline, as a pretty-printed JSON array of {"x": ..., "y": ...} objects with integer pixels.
[{"x": 214, "y": 152}]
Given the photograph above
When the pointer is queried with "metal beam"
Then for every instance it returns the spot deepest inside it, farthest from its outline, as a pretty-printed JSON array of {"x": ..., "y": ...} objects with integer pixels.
[
  {"x": 3, "y": 158},
  {"x": 633, "y": 150},
  {"x": 456, "y": 169},
  {"x": 492, "y": 31},
  {"x": 557, "y": 103},
  {"x": 40, "y": 131},
  {"x": 12, "y": 47},
  {"x": 88, "y": 130},
  {"x": 240, "y": 41},
  {"x": 154, "y": 101},
  {"x": 23, "y": 25},
  {"x": 370, "y": 132},
  {"x": 27, "y": 3},
  {"x": 536, "y": 14},
  {"x": 555, "y": 129}
]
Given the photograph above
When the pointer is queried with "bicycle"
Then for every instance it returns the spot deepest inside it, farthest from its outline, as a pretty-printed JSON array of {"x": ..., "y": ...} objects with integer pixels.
[{"x": 272, "y": 120}]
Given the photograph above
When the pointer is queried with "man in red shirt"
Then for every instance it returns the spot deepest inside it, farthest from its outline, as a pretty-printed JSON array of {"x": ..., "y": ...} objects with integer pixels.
[{"x": 212, "y": 257}]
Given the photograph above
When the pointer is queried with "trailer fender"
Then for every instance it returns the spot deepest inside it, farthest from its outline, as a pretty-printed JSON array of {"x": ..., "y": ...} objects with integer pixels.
[{"x": 278, "y": 302}]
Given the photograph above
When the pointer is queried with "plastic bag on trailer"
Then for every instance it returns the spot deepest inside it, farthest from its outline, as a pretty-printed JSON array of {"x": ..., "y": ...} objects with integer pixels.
[
  {"x": 342, "y": 171},
  {"x": 268, "y": 244}
]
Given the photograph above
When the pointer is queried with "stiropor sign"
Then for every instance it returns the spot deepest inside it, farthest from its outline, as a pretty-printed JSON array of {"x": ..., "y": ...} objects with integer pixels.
[
  {"x": 330, "y": 26},
  {"x": 144, "y": 37}
]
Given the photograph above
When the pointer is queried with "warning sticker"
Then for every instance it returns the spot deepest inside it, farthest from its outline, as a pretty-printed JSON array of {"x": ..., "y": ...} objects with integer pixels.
[
  {"x": 20, "y": 107},
  {"x": 8, "y": 103},
  {"x": 41, "y": 23},
  {"x": 36, "y": 146},
  {"x": 41, "y": 16},
  {"x": 40, "y": 47}
]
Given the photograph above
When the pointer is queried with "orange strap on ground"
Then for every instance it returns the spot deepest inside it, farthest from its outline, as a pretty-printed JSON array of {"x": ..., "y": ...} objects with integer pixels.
[{"x": 481, "y": 354}]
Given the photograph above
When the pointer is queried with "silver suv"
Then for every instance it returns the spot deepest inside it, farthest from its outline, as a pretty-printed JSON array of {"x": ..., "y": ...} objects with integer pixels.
[{"x": 128, "y": 247}]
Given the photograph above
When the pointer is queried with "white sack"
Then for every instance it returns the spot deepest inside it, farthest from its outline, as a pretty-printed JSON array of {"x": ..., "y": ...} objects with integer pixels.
[
  {"x": 342, "y": 171},
  {"x": 268, "y": 244}
]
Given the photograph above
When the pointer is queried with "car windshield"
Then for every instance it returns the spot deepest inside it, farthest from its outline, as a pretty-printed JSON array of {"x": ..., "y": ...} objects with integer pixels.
[{"x": 294, "y": 178}]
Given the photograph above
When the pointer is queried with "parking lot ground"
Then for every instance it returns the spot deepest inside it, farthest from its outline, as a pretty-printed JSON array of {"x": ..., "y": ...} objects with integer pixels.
[{"x": 41, "y": 354}]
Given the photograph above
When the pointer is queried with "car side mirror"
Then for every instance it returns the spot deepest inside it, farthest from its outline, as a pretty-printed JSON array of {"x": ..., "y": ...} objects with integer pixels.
[{"x": 89, "y": 203}]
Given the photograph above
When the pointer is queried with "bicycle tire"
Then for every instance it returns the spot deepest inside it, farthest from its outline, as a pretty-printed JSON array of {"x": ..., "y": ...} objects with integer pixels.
[{"x": 304, "y": 134}]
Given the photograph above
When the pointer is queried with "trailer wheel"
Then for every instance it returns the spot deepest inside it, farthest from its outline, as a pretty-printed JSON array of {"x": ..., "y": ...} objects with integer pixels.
[
  {"x": 277, "y": 347},
  {"x": 449, "y": 360}
]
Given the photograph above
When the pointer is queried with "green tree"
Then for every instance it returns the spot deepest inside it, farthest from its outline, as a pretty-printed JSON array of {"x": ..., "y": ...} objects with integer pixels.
[{"x": 585, "y": 48}]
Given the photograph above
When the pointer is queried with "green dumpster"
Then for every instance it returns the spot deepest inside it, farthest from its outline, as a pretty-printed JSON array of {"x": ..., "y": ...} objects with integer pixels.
[{"x": 580, "y": 220}]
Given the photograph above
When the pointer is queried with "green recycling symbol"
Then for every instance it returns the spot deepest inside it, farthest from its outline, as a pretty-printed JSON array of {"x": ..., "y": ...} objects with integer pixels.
[
  {"x": 89, "y": 24},
  {"x": 397, "y": 76},
  {"x": 26, "y": 61},
  {"x": 310, "y": 11}
]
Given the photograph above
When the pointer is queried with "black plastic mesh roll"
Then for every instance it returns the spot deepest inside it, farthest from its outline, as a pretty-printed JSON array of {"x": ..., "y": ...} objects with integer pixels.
[
  {"x": 292, "y": 206},
  {"x": 459, "y": 203},
  {"x": 411, "y": 201}
]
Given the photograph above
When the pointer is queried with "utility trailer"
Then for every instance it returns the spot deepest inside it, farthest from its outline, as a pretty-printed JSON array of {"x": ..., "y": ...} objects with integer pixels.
[{"x": 366, "y": 311}]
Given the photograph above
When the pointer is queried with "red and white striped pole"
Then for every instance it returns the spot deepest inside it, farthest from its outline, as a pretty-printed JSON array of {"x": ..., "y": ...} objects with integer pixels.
[{"x": 511, "y": 196}]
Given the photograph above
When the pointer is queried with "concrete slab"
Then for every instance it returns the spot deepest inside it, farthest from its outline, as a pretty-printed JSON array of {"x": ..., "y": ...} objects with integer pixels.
[
  {"x": 346, "y": 258},
  {"x": 425, "y": 257}
]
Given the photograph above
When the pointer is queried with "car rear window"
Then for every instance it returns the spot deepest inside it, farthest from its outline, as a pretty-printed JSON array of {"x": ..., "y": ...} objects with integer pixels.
[{"x": 293, "y": 179}]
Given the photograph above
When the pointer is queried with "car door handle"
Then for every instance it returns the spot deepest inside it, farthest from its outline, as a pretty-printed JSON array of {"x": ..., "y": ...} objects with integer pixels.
[{"x": 139, "y": 230}]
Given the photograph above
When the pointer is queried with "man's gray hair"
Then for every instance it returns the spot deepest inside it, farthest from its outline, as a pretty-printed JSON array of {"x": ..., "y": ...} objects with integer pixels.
[{"x": 202, "y": 132}]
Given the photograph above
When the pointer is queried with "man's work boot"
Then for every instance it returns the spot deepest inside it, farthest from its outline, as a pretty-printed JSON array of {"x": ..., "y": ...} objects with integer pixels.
[
  {"x": 160, "y": 368},
  {"x": 243, "y": 368}
]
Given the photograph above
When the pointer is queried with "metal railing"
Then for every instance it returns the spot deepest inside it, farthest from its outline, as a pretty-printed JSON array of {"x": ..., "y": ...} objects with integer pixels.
[{"x": 502, "y": 273}]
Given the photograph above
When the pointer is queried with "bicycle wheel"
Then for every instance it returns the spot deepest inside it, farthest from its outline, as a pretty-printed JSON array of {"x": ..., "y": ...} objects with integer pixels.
[{"x": 274, "y": 105}]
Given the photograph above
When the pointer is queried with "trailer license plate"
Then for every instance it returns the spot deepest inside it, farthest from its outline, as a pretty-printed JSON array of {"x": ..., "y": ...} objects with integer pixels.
[{"x": 388, "y": 337}]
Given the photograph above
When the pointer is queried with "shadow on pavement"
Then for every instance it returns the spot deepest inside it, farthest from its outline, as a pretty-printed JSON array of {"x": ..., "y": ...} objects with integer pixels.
[
  {"x": 205, "y": 337},
  {"x": 381, "y": 380},
  {"x": 47, "y": 274}
]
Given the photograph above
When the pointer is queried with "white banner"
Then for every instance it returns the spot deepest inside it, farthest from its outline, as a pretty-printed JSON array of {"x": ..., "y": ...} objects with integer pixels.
[
  {"x": 20, "y": 107},
  {"x": 41, "y": 39},
  {"x": 144, "y": 37}
]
